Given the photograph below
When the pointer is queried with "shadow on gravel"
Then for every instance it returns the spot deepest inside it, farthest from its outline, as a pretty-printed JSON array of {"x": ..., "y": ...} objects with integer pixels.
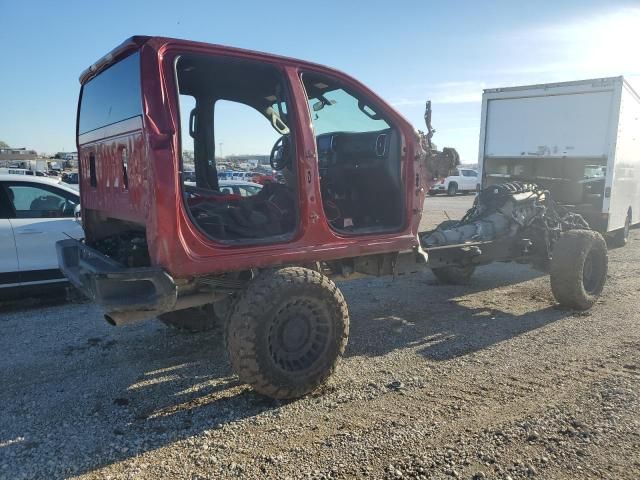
[
  {"x": 418, "y": 312},
  {"x": 115, "y": 395},
  {"x": 33, "y": 297},
  {"x": 100, "y": 395},
  {"x": 19, "y": 301}
]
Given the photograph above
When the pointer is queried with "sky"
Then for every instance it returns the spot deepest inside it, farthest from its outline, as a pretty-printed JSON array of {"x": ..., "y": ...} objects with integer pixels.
[{"x": 406, "y": 51}]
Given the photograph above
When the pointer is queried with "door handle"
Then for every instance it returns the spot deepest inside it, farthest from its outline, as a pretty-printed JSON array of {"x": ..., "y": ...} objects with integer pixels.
[{"x": 28, "y": 231}]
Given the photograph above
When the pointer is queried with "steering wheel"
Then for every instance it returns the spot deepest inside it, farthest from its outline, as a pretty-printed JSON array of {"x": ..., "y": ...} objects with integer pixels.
[{"x": 280, "y": 157}]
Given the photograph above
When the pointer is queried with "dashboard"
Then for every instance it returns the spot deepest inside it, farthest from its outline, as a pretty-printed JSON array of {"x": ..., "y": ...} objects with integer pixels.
[{"x": 353, "y": 150}]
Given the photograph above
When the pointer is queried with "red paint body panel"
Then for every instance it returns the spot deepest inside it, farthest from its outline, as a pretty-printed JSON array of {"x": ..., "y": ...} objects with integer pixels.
[
  {"x": 111, "y": 195},
  {"x": 154, "y": 199}
]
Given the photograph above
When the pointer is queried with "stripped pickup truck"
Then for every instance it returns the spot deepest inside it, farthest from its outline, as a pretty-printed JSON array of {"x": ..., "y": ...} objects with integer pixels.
[{"x": 158, "y": 244}]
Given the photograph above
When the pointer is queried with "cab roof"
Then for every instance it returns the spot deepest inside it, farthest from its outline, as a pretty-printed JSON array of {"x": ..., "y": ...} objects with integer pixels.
[{"x": 136, "y": 42}]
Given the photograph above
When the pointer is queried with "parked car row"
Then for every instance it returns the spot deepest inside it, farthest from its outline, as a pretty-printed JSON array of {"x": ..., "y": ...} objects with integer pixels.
[
  {"x": 255, "y": 177},
  {"x": 67, "y": 177},
  {"x": 23, "y": 171},
  {"x": 235, "y": 187}
]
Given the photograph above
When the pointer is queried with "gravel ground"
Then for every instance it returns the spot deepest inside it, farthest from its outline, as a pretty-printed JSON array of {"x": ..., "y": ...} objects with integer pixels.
[{"x": 485, "y": 381}]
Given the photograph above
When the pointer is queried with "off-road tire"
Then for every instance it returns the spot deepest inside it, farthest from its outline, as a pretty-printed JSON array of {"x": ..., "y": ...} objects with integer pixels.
[
  {"x": 192, "y": 320},
  {"x": 287, "y": 332},
  {"x": 452, "y": 189},
  {"x": 579, "y": 268},
  {"x": 621, "y": 237},
  {"x": 454, "y": 275}
]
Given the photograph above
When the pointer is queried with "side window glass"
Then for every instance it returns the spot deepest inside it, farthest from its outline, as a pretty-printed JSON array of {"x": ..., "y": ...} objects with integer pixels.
[
  {"x": 343, "y": 112},
  {"x": 114, "y": 95},
  {"x": 31, "y": 201}
]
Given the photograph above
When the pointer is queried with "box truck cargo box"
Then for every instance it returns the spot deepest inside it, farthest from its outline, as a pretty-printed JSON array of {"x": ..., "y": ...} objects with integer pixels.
[{"x": 580, "y": 140}]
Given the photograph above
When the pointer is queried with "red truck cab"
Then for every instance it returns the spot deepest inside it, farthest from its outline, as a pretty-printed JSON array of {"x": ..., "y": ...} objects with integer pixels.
[
  {"x": 154, "y": 110},
  {"x": 353, "y": 186}
]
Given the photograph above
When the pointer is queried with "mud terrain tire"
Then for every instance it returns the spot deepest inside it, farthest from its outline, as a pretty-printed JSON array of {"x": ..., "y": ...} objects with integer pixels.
[
  {"x": 579, "y": 268},
  {"x": 454, "y": 275},
  {"x": 192, "y": 320},
  {"x": 287, "y": 332}
]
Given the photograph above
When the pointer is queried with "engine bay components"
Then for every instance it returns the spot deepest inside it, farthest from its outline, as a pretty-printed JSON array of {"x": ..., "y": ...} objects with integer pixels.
[
  {"x": 521, "y": 222},
  {"x": 509, "y": 209}
]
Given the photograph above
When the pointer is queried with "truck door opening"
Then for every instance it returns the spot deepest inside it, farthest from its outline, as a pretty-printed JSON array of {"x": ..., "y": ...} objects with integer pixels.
[
  {"x": 234, "y": 116},
  {"x": 358, "y": 158}
]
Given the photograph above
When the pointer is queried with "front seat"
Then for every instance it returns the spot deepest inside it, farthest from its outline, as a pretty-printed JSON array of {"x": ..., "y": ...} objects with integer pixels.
[{"x": 45, "y": 203}]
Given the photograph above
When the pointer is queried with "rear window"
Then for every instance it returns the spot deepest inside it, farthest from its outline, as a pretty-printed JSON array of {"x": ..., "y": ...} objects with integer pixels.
[{"x": 112, "y": 96}]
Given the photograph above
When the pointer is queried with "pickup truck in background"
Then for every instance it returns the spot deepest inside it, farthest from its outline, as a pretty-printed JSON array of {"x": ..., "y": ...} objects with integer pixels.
[
  {"x": 461, "y": 180},
  {"x": 579, "y": 140}
]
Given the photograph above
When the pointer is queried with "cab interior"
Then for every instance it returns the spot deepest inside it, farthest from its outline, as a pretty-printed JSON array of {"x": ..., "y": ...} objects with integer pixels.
[
  {"x": 359, "y": 153},
  {"x": 358, "y": 159},
  {"x": 269, "y": 213}
]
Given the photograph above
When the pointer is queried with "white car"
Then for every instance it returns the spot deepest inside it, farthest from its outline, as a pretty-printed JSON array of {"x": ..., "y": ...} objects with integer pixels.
[
  {"x": 35, "y": 212},
  {"x": 461, "y": 180}
]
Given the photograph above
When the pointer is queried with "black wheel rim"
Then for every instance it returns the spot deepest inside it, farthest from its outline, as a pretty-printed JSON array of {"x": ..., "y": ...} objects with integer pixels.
[
  {"x": 298, "y": 335},
  {"x": 592, "y": 273}
]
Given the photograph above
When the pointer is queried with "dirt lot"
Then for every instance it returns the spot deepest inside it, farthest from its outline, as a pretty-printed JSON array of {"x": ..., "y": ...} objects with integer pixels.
[{"x": 485, "y": 381}]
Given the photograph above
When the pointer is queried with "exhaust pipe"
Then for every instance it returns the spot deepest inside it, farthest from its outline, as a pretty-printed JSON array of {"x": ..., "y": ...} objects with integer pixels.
[{"x": 123, "y": 318}]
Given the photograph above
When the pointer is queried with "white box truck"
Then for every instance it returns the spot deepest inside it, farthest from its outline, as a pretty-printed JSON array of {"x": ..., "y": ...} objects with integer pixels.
[{"x": 580, "y": 140}]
